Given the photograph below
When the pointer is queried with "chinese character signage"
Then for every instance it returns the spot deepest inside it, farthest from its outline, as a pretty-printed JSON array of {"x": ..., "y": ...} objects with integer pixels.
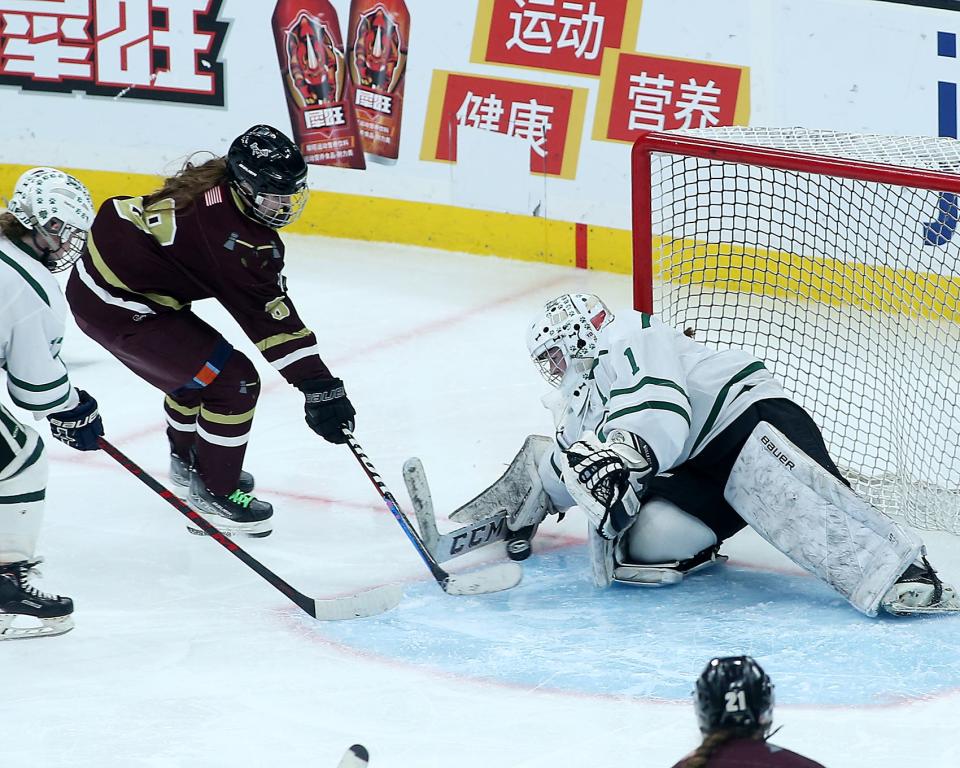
[
  {"x": 549, "y": 118},
  {"x": 147, "y": 49},
  {"x": 652, "y": 93},
  {"x": 561, "y": 35}
]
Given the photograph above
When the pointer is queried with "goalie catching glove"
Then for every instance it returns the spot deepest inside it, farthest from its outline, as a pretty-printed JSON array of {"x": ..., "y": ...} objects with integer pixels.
[{"x": 608, "y": 480}]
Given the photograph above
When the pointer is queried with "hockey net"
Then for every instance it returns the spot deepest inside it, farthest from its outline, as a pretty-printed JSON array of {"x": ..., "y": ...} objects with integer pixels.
[{"x": 834, "y": 258}]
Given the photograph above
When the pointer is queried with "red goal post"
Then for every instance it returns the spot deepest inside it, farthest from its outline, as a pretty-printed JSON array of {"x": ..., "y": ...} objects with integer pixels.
[{"x": 834, "y": 257}]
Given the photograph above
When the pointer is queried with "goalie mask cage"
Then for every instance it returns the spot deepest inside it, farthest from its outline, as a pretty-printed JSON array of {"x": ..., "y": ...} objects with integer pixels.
[{"x": 835, "y": 259}]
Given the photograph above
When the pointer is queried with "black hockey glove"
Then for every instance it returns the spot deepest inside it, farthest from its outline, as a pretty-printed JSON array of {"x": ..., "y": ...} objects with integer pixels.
[
  {"x": 328, "y": 409},
  {"x": 80, "y": 426}
]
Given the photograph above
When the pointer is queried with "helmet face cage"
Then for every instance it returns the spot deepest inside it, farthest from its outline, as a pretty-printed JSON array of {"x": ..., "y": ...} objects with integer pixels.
[
  {"x": 565, "y": 336},
  {"x": 734, "y": 693},
  {"x": 269, "y": 176},
  {"x": 57, "y": 207}
]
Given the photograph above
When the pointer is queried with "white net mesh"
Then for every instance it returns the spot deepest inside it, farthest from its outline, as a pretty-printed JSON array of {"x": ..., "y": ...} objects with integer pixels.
[{"x": 848, "y": 289}]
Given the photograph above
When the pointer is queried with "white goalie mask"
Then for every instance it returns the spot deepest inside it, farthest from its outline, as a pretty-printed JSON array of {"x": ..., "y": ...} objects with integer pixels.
[
  {"x": 564, "y": 337},
  {"x": 58, "y": 209}
]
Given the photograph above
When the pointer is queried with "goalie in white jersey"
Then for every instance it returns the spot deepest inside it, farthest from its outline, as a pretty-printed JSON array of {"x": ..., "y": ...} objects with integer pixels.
[
  {"x": 670, "y": 447},
  {"x": 42, "y": 231}
]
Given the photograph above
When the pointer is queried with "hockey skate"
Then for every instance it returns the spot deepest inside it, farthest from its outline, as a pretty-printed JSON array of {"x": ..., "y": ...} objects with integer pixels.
[
  {"x": 919, "y": 590},
  {"x": 27, "y": 612},
  {"x": 238, "y": 513},
  {"x": 180, "y": 475},
  {"x": 662, "y": 574}
]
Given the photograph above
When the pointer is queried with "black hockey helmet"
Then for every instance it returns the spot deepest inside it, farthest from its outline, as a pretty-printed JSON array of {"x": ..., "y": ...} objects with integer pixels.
[
  {"x": 269, "y": 175},
  {"x": 734, "y": 692}
]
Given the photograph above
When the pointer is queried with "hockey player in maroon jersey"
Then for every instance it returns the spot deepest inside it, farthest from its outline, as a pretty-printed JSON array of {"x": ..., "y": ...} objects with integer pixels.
[
  {"x": 209, "y": 232},
  {"x": 733, "y": 700}
]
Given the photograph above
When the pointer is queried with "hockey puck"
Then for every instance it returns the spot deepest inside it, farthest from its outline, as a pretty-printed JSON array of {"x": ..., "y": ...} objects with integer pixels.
[{"x": 519, "y": 549}]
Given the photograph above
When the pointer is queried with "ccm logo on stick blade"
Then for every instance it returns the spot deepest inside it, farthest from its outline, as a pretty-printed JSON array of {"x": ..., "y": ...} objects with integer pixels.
[
  {"x": 768, "y": 444},
  {"x": 478, "y": 536}
]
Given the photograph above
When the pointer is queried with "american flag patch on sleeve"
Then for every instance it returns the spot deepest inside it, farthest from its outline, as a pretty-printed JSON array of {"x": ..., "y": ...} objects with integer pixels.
[{"x": 213, "y": 196}]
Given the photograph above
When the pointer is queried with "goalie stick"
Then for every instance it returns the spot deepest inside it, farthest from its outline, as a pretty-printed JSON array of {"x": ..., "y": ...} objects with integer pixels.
[
  {"x": 493, "y": 579},
  {"x": 355, "y": 757},
  {"x": 368, "y": 603},
  {"x": 511, "y": 497},
  {"x": 446, "y": 546}
]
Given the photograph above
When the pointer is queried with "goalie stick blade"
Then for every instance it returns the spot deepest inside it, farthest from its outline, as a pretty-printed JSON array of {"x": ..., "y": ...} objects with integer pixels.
[
  {"x": 359, "y": 606},
  {"x": 494, "y": 579},
  {"x": 356, "y": 757},
  {"x": 415, "y": 479}
]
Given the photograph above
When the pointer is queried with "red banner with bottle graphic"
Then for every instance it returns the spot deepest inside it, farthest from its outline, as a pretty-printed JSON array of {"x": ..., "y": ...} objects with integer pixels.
[
  {"x": 548, "y": 117},
  {"x": 378, "y": 35}
]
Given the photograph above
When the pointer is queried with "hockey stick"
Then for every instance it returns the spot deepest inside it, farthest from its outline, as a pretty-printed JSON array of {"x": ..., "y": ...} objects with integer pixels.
[
  {"x": 493, "y": 579},
  {"x": 355, "y": 757},
  {"x": 357, "y": 606}
]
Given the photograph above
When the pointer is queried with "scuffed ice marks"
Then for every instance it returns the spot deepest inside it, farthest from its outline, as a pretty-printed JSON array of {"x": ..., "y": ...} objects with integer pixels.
[{"x": 557, "y": 632}]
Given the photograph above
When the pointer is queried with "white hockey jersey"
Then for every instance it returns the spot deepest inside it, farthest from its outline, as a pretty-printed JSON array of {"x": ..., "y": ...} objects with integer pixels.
[
  {"x": 659, "y": 384},
  {"x": 32, "y": 316}
]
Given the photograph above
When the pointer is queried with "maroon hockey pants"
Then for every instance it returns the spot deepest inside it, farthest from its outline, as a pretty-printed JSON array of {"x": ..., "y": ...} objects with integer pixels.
[{"x": 211, "y": 389}]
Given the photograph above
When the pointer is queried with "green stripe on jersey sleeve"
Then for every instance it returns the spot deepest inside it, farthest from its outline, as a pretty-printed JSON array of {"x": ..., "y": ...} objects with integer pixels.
[
  {"x": 650, "y": 405},
  {"x": 652, "y": 381},
  {"x": 721, "y": 399},
  {"x": 40, "y": 406},
  {"x": 28, "y": 387}
]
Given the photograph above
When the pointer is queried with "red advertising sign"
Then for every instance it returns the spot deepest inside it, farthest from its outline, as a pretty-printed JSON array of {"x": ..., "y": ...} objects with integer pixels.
[
  {"x": 560, "y": 35},
  {"x": 549, "y": 117},
  {"x": 652, "y": 93},
  {"x": 140, "y": 49}
]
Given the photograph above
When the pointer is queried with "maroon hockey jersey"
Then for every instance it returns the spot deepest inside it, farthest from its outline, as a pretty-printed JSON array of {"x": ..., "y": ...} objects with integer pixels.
[
  {"x": 160, "y": 260},
  {"x": 753, "y": 753}
]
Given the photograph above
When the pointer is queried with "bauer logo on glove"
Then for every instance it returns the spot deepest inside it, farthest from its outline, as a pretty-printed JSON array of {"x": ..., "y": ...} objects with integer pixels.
[{"x": 80, "y": 426}]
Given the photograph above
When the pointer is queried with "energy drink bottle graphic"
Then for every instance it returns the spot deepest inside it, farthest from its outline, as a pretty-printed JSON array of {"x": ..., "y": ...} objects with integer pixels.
[
  {"x": 317, "y": 83},
  {"x": 378, "y": 36}
]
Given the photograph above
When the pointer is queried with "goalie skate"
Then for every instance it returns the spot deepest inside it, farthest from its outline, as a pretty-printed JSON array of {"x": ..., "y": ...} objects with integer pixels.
[
  {"x": 663, "y": 574},
  {"x": 920, "y": 591},
  {"x": 27, "y": 612}
]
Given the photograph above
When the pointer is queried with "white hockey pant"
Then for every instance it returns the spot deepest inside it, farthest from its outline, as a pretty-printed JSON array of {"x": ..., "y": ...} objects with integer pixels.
[
  {"x": 662, "y": 535},
  {"x": 21, "y": 511},
  {"x": 817, "y": 521}
]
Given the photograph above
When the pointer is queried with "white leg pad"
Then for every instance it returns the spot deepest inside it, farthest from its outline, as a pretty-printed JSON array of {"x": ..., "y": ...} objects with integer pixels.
[
  {"x": 20, "y": 520},
  {"x": 602, "y": 557},
  {"x": 663, "y": 532},
  {"x": 518, "y": 493},
  {"x": 817, "y": 521}
]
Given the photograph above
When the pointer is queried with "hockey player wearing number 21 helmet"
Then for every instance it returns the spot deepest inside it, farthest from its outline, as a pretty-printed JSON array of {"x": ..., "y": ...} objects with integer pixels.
[
  {"x": 42, "y": 231},
  {"x": 209, "y": 232},
  {"x": 733, "y": 701},
  {"x": 670, "y": 447}
]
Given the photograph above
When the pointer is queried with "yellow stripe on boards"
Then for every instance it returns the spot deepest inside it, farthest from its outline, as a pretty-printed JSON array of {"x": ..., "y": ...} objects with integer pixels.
[{"x": 728, "y": 267}]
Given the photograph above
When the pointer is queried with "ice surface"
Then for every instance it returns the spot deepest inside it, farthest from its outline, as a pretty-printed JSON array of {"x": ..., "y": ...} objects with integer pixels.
[{"x": 184, "y": 657}]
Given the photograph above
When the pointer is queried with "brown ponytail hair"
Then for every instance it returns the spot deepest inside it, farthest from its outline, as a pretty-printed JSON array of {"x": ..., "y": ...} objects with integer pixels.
[
  {"x": 189, "y": 182},
  {"x": 701, "y": 757},
  {"x": 11, "y": 226}
]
